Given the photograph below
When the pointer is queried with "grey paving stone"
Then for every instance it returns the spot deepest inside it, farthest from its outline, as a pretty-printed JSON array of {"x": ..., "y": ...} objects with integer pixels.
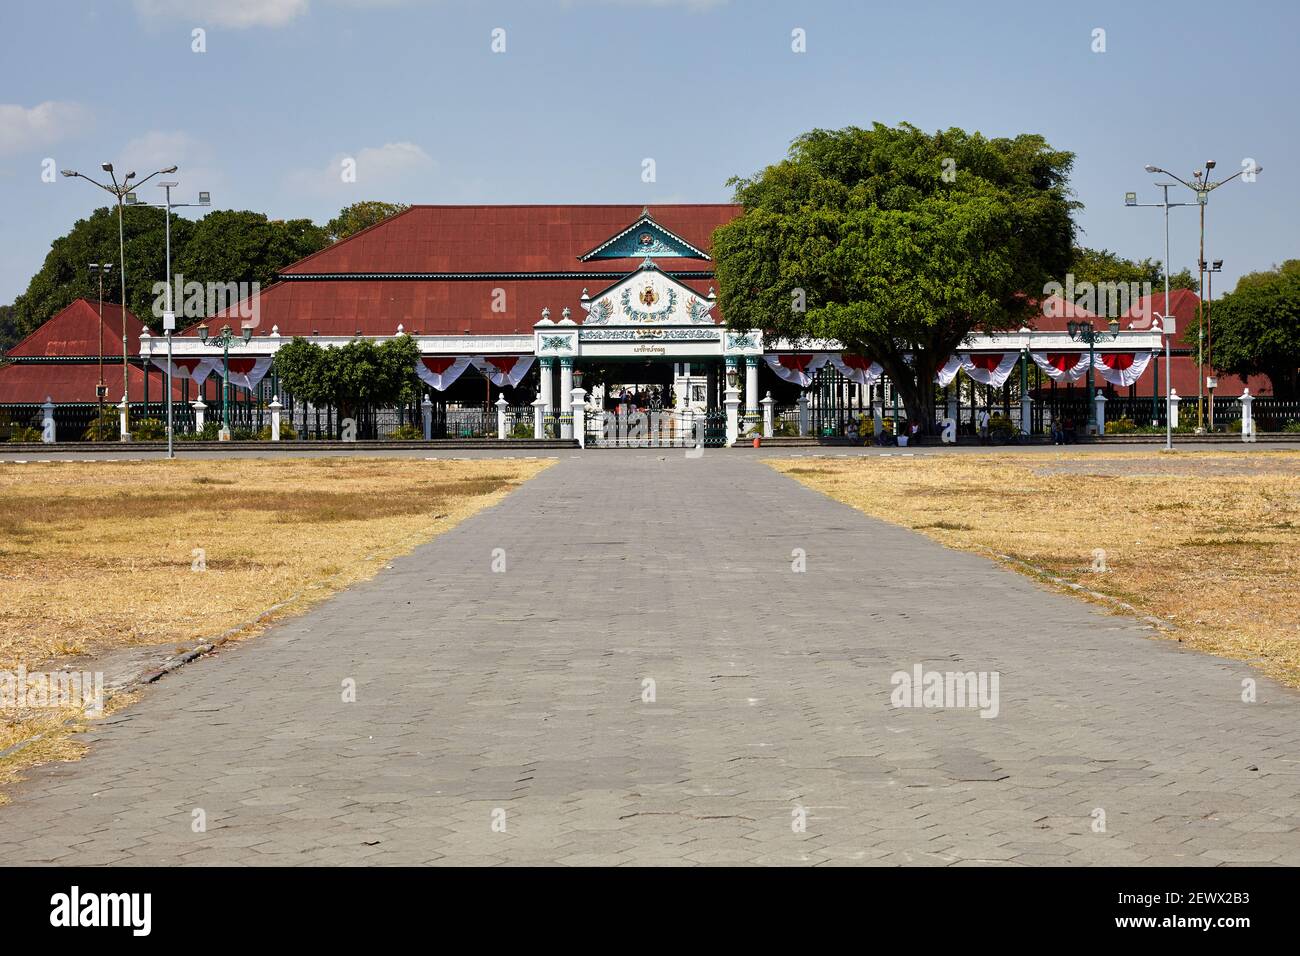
[{"x": 522, "y": 692}]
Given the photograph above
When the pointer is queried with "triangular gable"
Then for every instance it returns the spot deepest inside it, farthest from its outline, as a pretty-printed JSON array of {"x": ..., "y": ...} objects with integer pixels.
[
  {"x": 648, "y": 297},
  {"x": 645, "y": 237},
  {"x": 74, "y": 331}
]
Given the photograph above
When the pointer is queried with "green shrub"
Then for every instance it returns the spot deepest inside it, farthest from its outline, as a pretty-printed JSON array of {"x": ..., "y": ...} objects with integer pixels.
[
  {"x": 522, "y": 430},
  {"x": 287, "y": 433},
  {"x": 104, "y": 428},
  {"x": 1121, "y": 426},
  {"x": 148, "y": 429},
  {"x": 407, "y": 432},
  {"x": 23, "y": 433},
  {"x": 208, "y": 433},
  {"x": 1291, "y": 427}
]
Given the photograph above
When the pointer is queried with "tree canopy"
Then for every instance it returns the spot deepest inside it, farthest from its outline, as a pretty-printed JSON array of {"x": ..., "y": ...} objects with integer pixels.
[
  {"x": 1102, "y": 265},
  {"x": 359, "y": 374},
  {"x": 897, "y": 243},
  {"x": 1256, "y": 328},
  {"x": 361, "y": 215}
]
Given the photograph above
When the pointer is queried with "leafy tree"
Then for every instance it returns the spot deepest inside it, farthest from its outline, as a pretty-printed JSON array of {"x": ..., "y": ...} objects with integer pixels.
[
  {"x": 8, "y": 329},
  {"x": 361, "y": 215},
  {"x": 897, "y": 243},
  {"x": 357, "y": 375},
  {"x": 243, "y": 246},
  {"x": 65, "y": 275},
  {"x": 1256, "y": 327},
  {"x": 1102, "y": 265}
]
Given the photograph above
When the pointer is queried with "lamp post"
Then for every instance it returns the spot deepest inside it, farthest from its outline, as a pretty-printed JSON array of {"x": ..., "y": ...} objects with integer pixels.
[
  {"x": 1203, "y": 187},
  {"x": 121, "y": 191},
  {"x": 99, "y": 270},
  {"x": 223, "y": 341},
  {"x": 169, "y": 316},
  {"x": 1087, "y": 332},
  {"x": 1208, "y": 271}
]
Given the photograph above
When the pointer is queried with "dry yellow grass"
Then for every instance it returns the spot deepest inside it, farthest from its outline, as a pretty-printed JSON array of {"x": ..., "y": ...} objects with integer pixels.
[
  {"x": 95, "y": 557},
  {"x": 1209, "y": 541}
]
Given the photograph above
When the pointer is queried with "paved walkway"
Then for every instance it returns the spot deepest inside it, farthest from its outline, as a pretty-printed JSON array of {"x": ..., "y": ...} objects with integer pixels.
[{"x": 516, "y": 699}]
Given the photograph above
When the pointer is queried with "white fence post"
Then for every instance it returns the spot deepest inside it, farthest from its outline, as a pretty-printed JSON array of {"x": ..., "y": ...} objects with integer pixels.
[
  {"x": 1101, "y": 413},
  {"x": 1247, "y": 416},
  {"x": 539, "y": 417},
  {"x": 47, "y": 421},
  {"x": 1173, "y": 407},
  {"x": 804, "y": 422},
  {"x": 578, "y": 410},
  {"x": 199, "y": 409},
  {"x": 426, "y": 410},
  {"x": 275, "y": 408},
  {"x": 502, "y": 405},
  {"x": 768, "y": 403}
]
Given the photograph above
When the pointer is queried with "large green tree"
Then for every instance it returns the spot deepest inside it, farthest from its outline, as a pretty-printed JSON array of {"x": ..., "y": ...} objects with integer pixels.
[
  {"x": 1256, "y": 327},
  {"x": 897, "y": 243},
  {"x": 361, "y": 215},
  {"x": 224, "y": 246}
]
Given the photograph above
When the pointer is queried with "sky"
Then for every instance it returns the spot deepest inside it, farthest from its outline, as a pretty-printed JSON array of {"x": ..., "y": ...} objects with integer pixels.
[{"x": 454, "y": 101}]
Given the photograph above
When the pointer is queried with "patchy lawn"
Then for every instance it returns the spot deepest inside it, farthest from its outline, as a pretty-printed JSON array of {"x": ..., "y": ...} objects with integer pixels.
[
  {"x": 1209, "y": 541},
  {"x": 97, "y": 557}
]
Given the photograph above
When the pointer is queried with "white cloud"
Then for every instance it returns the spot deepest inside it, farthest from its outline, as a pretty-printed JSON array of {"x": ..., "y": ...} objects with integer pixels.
[
  {"x": 236, "y": 14},
  {"x": 46, "y": 123},
  {"x": 391, "y": 172}
]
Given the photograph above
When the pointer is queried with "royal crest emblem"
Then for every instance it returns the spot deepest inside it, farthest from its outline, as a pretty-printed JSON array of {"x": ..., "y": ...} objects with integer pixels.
[{"x": 648, "y": 296}]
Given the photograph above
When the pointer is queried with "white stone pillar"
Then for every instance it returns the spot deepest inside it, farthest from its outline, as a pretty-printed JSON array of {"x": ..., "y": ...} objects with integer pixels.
[
  {"x": 502, "y": 405},
  {"x": 1101, "y": 413},
  {"x": 566, "y": 397},
  {"x": 1247, "y": 416},
  {"x": 1173, "y": 407},
  {"x": 199, "y": 409},
  {"x": 751, "y": 390},
  {"x": 544, "y": 395},
  {"x": 539, "y": 416},
  {"x": 1027, "y": 414},
  {"x": 426, "y": 411},
  {"x": 47, "y": 421},
  {"x": 769, "y": 404},
  {"x": 275, "y": 408},
  {"x": 804, "y": 419},
  {"x": 578, "y": 409},
  {"x": 731, "y": 401},
  {"x": 121, "y": 420}
]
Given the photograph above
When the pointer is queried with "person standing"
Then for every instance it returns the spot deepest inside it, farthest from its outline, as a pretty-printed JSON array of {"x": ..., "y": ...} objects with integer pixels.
[{"x": 983, "y": 420}]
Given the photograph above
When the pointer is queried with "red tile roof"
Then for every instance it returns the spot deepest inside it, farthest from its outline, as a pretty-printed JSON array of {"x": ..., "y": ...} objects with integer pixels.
[
  {"x": 31, "y": 382},
  {"x": 75, "y": 331},
  {"x": 500, "y": 239}
]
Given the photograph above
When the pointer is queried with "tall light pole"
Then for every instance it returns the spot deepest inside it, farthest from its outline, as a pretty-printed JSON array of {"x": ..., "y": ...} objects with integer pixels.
[
  {"x": 120, "y": 191},
  {"x": 99, "y": 270},
  {"x": 169, "y": 316},
  {"x": 1204, "y": 186},
  {"x": 1130, "y": 199}
]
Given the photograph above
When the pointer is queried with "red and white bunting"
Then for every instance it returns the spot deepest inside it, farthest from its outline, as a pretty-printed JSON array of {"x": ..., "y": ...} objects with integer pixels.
[
  {"x": 504, "y": 371},
  {"x": 440, "y": 371},
  {"x": 795, "y": 367},
  {"x": 195, "y": 369},
  {"x": 1121, "y": 368},
  {"x": 989, "y": 368},
  {"x": 1062, "y": 366},
  {"x": 245, "y": 372},
  {"x": 948, "y": 371},
  {"x": 857, "y": 369}
]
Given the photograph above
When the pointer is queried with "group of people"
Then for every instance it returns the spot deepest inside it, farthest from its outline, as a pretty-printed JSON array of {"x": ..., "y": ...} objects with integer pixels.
[
  {"x": 1063, "y": 431},
  {"x": 860, "y": 432},
  {"x": 652, "y": 399}
]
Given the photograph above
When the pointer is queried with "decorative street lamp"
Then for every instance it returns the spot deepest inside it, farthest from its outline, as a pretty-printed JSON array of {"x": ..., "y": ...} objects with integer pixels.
[
  {"x": 1203, "y": 187},
  {"x": 99, "y": 270},
  {"x": 1087, "y": 332},
  {"x": 121, "y": 191},
  {"x": 224, "y": 341}
]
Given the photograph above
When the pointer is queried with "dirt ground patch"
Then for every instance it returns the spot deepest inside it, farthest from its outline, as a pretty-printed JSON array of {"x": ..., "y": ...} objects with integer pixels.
[
  {"x": 1209, "y": 541},
  {"x": 95, "y": 557}
]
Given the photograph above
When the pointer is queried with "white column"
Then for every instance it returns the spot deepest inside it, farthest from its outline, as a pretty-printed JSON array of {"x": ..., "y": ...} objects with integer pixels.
[
  {"x": 47, "y": 421},
  {"x": 804, "y": 420},
  {"x": 1027, "y": 414},
  {"x": 578, "y": 409},
  {"x": 275, "y": 407},
  {"x": 751, "y": 389},
  {"x": 539, "y": 415},
  {"x": 1173, "y": 407},
  {"x": 731, "y": 399},
  {"x": 426, "y": 410},
  {"x": 199, "y": 409},
  {"x": 566, "y": 397},
  {"x": 548, "y": 365},
  {"x": 768, "y": 403},
  {"x": 1247, "y": 416},
  {"x": 1101, "y": 413},
  {"x": 502, "y": 405},
  {"x": 121, "y": 420}
]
